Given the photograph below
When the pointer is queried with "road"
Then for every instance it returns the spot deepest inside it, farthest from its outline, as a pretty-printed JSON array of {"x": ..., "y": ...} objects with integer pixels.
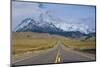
[{"x": 59, "y": 54}]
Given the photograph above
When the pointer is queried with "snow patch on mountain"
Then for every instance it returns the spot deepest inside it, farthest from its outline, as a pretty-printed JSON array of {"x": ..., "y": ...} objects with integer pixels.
[{"x": 73, "y": 27}]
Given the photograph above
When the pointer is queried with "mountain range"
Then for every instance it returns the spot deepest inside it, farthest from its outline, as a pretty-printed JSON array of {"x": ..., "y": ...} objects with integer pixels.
[{"x": 31, "y": 25}]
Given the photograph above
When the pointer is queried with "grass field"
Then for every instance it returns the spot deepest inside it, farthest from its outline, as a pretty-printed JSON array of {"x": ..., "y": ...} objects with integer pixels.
[
  {"x": 88, "y": 46},
  {"x": 24, "y": 42}
]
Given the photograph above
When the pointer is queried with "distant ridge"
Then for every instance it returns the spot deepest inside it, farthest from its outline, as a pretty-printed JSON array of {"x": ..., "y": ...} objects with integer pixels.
[{"x": 31, "y": 25}]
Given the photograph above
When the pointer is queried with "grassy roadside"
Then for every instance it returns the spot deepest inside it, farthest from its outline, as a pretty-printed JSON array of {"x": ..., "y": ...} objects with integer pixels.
[
  {"x": 23, "y": 42},
  {"x": 87, "y": 46},
  {"x": 30, "y": 42}
]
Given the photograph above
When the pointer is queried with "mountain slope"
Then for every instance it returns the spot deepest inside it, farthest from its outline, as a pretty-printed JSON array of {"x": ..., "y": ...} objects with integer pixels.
[{"x": 31, "y": 25}]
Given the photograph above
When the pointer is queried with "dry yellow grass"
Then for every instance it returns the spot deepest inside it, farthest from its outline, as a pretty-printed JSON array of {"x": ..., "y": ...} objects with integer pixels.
[
  {"x": 80, "y": 45},
  {"x": 24, "y": 42}
]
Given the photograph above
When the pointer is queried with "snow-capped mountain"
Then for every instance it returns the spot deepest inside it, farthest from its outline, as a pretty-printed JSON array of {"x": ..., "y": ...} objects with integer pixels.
[
  {"x": 69, "y": 30},
  {"x": 31, "y": 25}
]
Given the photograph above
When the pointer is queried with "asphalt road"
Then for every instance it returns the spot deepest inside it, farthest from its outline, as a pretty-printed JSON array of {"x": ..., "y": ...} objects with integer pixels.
[{"x": 59, "y": 54}]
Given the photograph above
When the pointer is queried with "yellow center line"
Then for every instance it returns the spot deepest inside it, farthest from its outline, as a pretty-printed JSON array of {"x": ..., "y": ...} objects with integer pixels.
[{"x": 58, "y": 58}]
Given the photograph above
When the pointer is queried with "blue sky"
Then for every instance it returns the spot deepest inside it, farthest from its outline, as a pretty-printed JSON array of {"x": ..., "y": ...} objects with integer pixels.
[{"x": 67, "y": 13}]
